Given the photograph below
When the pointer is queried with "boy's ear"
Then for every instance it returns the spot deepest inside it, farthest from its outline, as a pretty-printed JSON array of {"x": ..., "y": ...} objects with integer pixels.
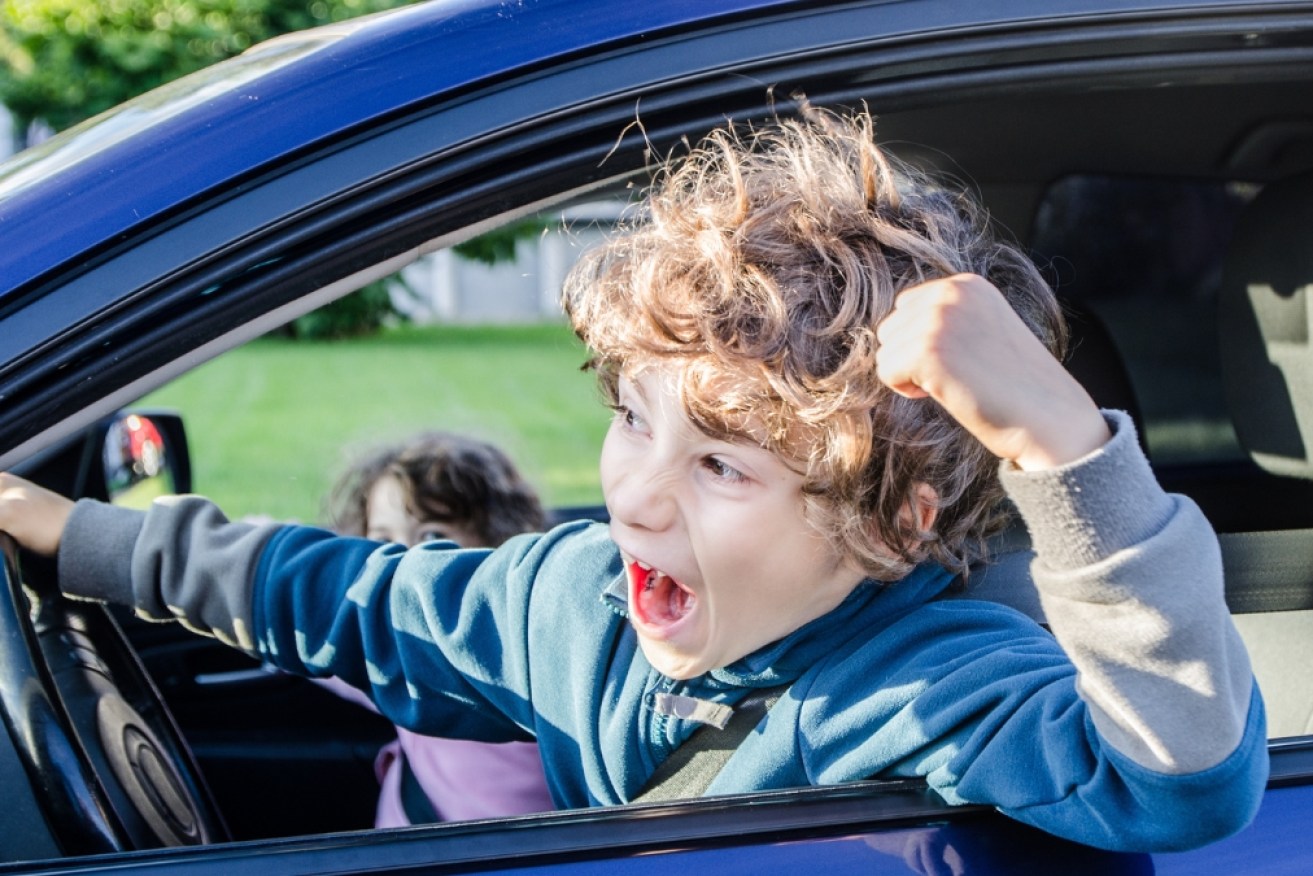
[{"x": 927, "y": 507}]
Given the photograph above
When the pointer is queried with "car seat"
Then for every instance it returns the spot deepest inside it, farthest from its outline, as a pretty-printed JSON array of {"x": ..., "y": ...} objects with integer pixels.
[
  {"x": 1267, "y": 360},
  {"x": 1093, "y": 359},
  {"x": 1266, "y": 337}
]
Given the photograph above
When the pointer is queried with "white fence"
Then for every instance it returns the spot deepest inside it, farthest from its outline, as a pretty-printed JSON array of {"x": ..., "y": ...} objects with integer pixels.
[
  {"x": 8, "y": 140},
  {"x": 448, "y": 288}
]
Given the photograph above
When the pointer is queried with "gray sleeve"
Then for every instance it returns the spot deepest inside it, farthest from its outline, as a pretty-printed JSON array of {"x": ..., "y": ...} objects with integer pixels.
[
  {"x": 181, "y": 559},
  {"x": 1130, "y": 579}
]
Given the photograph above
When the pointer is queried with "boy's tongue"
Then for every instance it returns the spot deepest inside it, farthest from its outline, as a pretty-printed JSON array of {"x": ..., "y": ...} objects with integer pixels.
[{"x": 658, "y": 598}]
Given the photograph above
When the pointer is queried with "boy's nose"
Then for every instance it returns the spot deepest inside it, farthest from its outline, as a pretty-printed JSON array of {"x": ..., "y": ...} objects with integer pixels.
[{"x": 641, "y": 498}]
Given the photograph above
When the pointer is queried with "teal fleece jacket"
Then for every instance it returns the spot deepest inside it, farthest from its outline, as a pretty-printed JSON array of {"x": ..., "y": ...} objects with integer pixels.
[{"x": 1098, "y": 743}]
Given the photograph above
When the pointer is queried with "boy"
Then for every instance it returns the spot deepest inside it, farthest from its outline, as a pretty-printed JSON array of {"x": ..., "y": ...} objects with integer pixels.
[{"x": 817, "y": 361}]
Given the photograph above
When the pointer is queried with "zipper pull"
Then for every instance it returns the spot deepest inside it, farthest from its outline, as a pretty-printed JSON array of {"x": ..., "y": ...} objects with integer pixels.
[{"x": 691, "y": 709}]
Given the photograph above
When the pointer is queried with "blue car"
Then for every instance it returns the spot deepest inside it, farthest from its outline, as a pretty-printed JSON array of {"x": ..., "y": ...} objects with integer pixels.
[{"x": 1155, "y": 156}]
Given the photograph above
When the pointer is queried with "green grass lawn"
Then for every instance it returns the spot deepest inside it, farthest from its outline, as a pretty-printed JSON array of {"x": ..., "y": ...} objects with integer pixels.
[{"x": 272, "y": 423}]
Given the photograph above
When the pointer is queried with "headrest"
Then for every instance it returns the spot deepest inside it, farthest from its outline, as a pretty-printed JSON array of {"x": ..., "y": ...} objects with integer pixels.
[
  {"x": 1094, "y": 360},
  {"x": 1264, "y": 330}
]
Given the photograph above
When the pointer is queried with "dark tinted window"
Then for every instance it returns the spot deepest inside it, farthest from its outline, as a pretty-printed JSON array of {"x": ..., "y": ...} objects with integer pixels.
[{"x": 1142, "y": 258}]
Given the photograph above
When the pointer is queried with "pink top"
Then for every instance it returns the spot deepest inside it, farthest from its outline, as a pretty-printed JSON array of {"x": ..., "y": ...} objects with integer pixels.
[{"x": 463, "y": 780}]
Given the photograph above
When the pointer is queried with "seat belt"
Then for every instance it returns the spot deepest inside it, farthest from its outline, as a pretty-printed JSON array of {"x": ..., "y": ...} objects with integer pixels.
[
  {"x": 691, "y": 768},
  {"x": 1268, "y": 571}
]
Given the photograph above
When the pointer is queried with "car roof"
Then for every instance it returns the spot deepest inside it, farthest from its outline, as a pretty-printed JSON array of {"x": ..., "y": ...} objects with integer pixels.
[
  {"x": 234, "y": 118},
  {"x": 117, "y": 172}
]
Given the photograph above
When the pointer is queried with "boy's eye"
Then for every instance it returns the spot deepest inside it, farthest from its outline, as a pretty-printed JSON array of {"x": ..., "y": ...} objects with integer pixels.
[
  {"x": 722, "y": 470},
  {"x": 432, "y": 535},
  {"x": 628, "y": 418}
]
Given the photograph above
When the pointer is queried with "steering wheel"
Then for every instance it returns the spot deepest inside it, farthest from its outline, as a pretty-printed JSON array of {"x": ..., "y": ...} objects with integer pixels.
[{"x": 99, "y": 746}]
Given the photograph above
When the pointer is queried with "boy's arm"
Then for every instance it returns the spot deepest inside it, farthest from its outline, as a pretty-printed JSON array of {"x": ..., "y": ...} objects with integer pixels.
[
  {"x": 341, "y": 606},
  {"x": 186, "y": 561},
  {"x": 1131, "y": 578},
  {"x": 182, "y": 560},
  {"x": 436, "y": 636},
  {"x": 958, "y": 341},
  {"x": 1131, "y": 583}
]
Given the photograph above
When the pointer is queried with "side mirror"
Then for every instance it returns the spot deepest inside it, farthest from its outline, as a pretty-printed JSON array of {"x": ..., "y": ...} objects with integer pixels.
[
  {"x": 96, "y": 464},
  {"x": 143, "y": 455}
]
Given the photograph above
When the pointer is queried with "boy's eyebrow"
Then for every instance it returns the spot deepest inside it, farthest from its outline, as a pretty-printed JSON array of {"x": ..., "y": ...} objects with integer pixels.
[{"x": 634, "y": 385}]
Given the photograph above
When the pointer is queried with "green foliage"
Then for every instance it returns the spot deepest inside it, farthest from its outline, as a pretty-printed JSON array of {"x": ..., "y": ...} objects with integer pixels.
[
  {"x": 498, "y": 245},
  {"x": 359, "y": 313},
  {"x": 62, "y": 61}
]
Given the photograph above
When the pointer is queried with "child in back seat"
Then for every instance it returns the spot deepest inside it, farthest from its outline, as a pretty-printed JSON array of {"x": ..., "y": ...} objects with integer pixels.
[{"x": 440, "y": 486}]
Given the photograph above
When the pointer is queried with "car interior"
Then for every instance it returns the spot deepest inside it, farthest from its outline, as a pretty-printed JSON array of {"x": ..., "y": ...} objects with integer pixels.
[
  {"x": 1186, "y": 308},
  {"x": 1172, "y": 214},
  {"x": 1245, "y": 372}
]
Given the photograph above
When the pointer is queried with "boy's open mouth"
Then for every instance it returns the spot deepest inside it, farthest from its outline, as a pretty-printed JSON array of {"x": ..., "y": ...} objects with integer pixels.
[{"x": 657, "y": 599}]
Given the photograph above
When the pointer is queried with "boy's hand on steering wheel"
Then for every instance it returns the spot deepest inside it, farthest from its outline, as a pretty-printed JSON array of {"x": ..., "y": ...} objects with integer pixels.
[
  {"x": 958, "y": 341},
  {"x": 33, "y": 515}
]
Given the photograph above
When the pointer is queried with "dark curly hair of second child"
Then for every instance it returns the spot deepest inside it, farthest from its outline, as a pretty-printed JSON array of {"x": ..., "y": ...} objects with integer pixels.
[{"x": 448, "y": 482}]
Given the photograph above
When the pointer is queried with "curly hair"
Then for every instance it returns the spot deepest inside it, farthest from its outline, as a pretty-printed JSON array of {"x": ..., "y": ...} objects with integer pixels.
[
  {"x": 758, "y": 271},
  {"x": 447, "y": 478}
]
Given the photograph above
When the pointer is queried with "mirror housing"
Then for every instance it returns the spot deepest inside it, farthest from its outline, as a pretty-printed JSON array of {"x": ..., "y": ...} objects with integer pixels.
[
  {"x": 142, "y": 455},
  {"x": 132, "y": 456}
]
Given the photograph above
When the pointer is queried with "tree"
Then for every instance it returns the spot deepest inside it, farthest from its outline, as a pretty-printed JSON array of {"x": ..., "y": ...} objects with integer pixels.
[
  {"x": 62, "y": 61},
  {"x": 498, "y": 245}
]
